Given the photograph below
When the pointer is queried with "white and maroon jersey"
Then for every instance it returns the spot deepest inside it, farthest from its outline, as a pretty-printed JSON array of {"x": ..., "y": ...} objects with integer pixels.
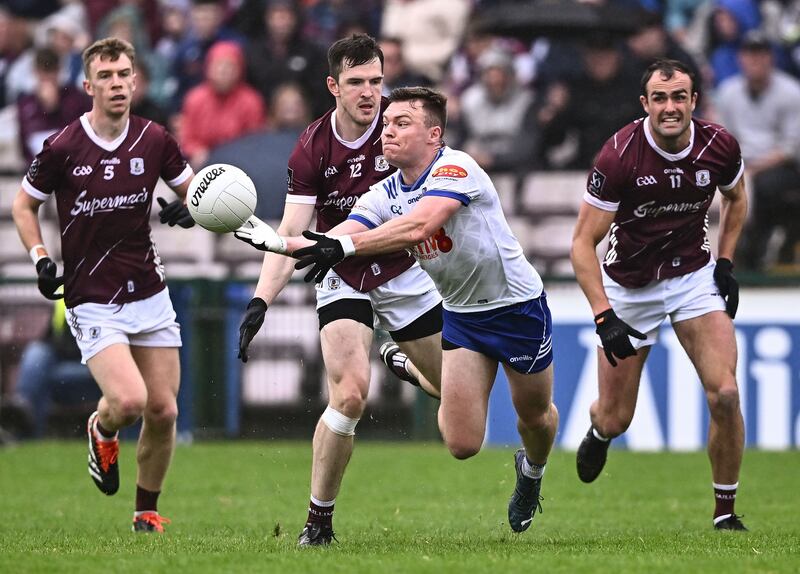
[
  {"x": 331, "y": 174},
  {"x": 661, "y": 199},
  {"x": 104, "y": 191},
  {"x": 475, "y": 261}
]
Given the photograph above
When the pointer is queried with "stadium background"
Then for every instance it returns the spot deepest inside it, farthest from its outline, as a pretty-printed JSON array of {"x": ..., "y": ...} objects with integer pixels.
[{"x": 280, "y": 392}]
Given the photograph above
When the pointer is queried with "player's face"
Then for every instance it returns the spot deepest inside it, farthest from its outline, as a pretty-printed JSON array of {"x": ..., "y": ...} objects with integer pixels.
[
  {"x": 358, "y": 91},
  {"x": 111, "y": 85},
  {"x": 406, "y": 138},
  {"x": 669, "y": 104}
]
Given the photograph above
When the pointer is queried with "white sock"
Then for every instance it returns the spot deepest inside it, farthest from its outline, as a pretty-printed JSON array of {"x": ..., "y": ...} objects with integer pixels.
[
  {"x": 598, "y": 436},
  {"x": 532, "y": 470},
  {"x": 101, "y": 437}
]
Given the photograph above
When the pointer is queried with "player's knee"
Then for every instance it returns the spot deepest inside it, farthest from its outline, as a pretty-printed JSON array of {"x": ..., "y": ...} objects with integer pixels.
[
  {"x": 463, "y": 449},
  {"x": 349, "y": 400},
  {"x": 162, "y": 415},
  {"x": 537, "y": 419},
  {"x": 338, "y": 423},
  {"x": 724, "y": 401},
  {"x": 128, "y": 409}
]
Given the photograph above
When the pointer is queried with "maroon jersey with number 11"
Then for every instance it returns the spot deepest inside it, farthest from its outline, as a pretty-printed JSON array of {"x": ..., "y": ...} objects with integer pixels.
[
  {"x": 332, "y": 174},
  {"x": 661, "y": 199},
  {"x": 104, "y": 191}
]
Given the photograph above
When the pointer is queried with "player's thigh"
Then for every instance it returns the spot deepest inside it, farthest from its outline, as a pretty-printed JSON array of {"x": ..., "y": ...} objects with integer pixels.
[
  {"x": 710, "y": 342},
  {"x": 345, "y": 352},
  {"x": 619, "y": 386},
  {"x": 426, "y": 354},
  {"x": 531, "y": 393},
  {"x": 160, "y": 369},
  {"x": 117, "y": 375},
  {"x": 467, "y": 380}
]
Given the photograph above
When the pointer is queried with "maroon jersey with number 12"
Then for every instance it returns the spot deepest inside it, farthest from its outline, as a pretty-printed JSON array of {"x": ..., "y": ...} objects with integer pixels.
[
  {"x": 104, "y": 191},
  {"x": 661, "y": 199},
  {"x": 332, "y": 174}
]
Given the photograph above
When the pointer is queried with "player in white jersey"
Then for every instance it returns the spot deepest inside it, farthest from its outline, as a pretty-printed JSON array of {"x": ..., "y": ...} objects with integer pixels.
[{"x": 444, "y": 208}]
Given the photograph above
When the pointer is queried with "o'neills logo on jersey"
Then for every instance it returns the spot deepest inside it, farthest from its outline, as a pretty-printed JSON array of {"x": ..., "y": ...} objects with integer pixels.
[
  {"x": 210, "y": 176},
  {"x": 449, "y": 171},
  {"x": 649, "y": 209},
  {"x": 103, "y": 205}
]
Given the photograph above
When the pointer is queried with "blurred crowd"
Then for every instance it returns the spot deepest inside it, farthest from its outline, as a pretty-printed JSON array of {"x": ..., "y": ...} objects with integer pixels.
[{"x": 240, "y": 79}]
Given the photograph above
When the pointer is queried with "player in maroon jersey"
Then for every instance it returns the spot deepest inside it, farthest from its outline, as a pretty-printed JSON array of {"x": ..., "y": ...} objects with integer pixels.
[
  {"x": 335, "y": 161},
  {"x": 651, "y": 186},
  {"x": 102, "y": 169}
]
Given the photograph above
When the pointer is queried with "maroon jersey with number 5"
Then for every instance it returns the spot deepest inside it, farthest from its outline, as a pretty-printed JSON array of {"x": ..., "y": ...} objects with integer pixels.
[
  {"x": 661, "y": 199},
  {"x": 104, "y": 191},
  {"x": 332, "y": 174}
]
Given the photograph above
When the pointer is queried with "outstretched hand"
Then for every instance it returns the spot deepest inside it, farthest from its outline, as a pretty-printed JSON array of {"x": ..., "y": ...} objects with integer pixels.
[
  {"x": 174, "y": 213},
  {"x": 614, "y": 333},
  {"x": 728, "y": 285},
  {"x": 323, "y": 255},
  {"x": 261, "y": 236}
]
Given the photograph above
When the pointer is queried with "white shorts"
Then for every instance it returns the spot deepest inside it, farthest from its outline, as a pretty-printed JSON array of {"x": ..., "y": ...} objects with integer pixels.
[
  {"x": 148, "y": 322},
  {"x": 682, "y": 298},
  {"x": 397, "y": 303}
]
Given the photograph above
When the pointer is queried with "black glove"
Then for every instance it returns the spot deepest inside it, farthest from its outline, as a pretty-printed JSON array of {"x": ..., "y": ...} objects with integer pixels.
[
  {"x": 175, "y": 213},
  {"x": 614, "y": 333},
  {"x": 728, "y": 285},
  {"x": 48, "y": 282},
  {"x": 324, "y": 254},
  {"x": 253, "y": 319}
]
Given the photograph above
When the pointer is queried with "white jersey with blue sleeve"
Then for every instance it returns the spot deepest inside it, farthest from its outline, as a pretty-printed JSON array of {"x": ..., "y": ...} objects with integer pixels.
[{"x": 475, "y": 261}]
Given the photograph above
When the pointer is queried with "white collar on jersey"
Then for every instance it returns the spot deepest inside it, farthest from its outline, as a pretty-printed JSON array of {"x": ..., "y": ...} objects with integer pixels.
[
  {"x": 106, "y": 145},
  {"x": 665, "y": 154},
  {"x": 360, "y": 141}
]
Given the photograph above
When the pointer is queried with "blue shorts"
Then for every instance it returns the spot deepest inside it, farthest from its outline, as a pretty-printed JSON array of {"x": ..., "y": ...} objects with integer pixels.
[{"x": 520, "y": 335}]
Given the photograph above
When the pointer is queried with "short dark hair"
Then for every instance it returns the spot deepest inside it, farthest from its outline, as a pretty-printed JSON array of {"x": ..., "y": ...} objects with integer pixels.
[
  {"x": 46, "y": 59},
  {"x": 356, "y": 50},
  {"x": 667, "y": 69},
  {"x": 433, "y": 103},
  {"x": 107, "y": 49}
]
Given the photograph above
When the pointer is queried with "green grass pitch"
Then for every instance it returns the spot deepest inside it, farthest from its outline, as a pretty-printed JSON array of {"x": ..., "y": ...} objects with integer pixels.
[{"x": 238, "y": 507}]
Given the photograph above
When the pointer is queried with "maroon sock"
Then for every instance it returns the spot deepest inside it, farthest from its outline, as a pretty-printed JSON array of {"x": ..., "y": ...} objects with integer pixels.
[
  {"x": 320, "y": 514},
  {"x": 146, "y": 499},
  {"x": 725, "y": 498}
]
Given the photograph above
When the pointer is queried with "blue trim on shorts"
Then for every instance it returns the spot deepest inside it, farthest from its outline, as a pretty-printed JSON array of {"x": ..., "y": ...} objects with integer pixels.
[{"x": 518, "y": 335}]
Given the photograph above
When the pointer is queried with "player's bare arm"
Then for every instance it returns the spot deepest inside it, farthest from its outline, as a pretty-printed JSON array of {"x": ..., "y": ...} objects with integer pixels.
[
  {"x": 25, "y": 211},
  {"x": 408, "y": 230},
  {"x": 592, "y": 226},
  {"x": 733, "y": 212}
]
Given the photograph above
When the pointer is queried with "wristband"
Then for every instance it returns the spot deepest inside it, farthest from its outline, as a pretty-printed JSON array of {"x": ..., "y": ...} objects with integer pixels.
[
  {"x": 347, "y": 245},
  {"x": 35, "y": 255}
]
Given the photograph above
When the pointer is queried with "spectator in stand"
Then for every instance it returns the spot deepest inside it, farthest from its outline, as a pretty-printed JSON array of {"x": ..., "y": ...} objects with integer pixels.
[
  {"x": 493, "y": 112},
  {"x": 729, "y": 22},
  {"x": 761, "y": 108},
  {"x": 206, "y": 28},
  {"x": 142, "y": 104},
  {"x": 280, "y": 54},
  {"x": 63, "y": 33},
  {"x": 395, "y": 70},
  {"x": 328, "y": 20},
  {"x": 264, "y": 155},
  {"x": 50, "y": 107},
  {"x": 431, "y": 30},
  {"x": 222, "y": 108},
  {"x": 590, "y": 107}
]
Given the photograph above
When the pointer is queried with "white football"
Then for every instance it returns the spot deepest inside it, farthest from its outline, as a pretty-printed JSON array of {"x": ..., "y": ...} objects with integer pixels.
[{"x": 221, "y": 198}]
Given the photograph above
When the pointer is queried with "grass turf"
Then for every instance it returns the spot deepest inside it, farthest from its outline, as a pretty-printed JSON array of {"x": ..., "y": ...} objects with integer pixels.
[{"x": 238, "y": 507}]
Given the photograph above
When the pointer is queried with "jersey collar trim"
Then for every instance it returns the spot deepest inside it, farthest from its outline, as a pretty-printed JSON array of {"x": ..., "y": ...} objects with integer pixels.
[
  {"x": 106, "y": 145},
  {"x": 665, "y": 154},
  {"x": 406, "y": 188},
  {"x": 360, "y": 141}
]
